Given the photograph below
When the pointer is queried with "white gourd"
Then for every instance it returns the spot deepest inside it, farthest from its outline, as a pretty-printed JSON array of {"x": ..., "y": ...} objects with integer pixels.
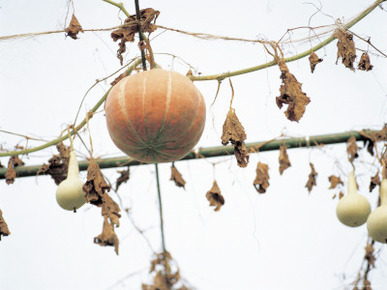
[
  {"x": 353, "y": 209},
  {"x": 69, "y": 194},
  {"x": 377, "y": 221}
]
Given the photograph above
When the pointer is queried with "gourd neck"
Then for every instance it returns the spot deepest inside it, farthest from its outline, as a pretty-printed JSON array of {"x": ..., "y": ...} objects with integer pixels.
[
  {"x": 383, "y": 192},
  {"x": 73, "y": 169},
  {"x": 352, "y": 187}
]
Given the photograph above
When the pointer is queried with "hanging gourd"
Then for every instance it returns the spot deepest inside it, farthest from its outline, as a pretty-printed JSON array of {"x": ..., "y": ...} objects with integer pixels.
[
  {"x": 377, "y": 221},
  {"x": 155, "y": 116},
  {"x": 353, "y": 209},
  {"x": 69, "y": 194}
]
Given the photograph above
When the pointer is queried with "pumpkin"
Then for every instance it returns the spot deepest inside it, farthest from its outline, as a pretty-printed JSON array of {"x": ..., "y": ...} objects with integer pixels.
[{"x": 155, "y": 116}]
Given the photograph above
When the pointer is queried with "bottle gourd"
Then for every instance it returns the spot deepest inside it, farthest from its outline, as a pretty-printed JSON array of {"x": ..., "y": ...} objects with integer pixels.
[{"x": 377, "y": 221}]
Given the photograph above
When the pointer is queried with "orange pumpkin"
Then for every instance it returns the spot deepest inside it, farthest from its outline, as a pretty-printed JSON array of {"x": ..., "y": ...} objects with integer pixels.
[{"x": 155, "y": 116}]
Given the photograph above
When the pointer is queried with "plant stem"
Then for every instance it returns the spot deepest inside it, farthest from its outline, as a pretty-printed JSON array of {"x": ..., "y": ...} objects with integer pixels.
[
  {"x": 160, "y": 208},
  {"x": 119, "y": 5},
  {"x": 351, "y": 23}
]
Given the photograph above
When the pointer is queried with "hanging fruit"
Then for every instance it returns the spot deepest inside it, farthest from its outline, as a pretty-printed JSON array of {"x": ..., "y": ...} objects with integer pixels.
[
  {"x": 353, "y": 209},
  {"x": 155, "y": 116},
  {"x": 377, "y": 221}
]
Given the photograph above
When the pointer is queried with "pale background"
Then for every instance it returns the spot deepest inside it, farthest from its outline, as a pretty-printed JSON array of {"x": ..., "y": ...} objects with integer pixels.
[{"x": 285, "y": 239}]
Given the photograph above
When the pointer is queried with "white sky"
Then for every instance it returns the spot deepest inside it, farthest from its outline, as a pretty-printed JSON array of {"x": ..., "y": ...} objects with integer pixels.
[{"x": 285, "y": 239}]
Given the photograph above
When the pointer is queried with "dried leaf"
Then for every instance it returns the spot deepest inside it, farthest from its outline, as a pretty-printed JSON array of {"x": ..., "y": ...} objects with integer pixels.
[
  {"x": 177, "y": 177},
  {"x": 314, "y": 60},
  {"x": 108, "y": 237},
  {"x": 341, "y": 194},
  {"x": 369, "y": 255},
  {"x": 4, "y": 231},
  {"x": 291, "y": 94},
  {"x": 123, "y": 178},
  {"x": 366, "y": 285},
  {"x": 10, "y": 174},
  {"x": 334, "y": 180},
  {"x": 74, "y": 28},
  {"x": 95, "y": 186},
  {"x": 261, "y": 182},
  {"x": 373, "y": 137},
  {"x": 215, "y": 197},
  {"x": 234, "y": 132},
  {"x": 365, "y": 63},
  {"x": 283, "y": 159},
  {"x": 312, "y": 178},
  {"x": 375, "y": 181},
  {"x": 130, "y": 28},
  {"x": 346, "y": 49},
  {"x": 352, "y": 149}
]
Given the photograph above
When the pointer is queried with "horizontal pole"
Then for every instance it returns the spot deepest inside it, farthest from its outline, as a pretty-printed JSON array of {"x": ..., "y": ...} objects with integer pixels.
[{"x": 208, "y": 152}]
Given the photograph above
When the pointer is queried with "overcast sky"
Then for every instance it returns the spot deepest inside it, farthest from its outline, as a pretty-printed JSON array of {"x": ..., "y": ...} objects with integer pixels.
[{"x": 283, "y": 239}]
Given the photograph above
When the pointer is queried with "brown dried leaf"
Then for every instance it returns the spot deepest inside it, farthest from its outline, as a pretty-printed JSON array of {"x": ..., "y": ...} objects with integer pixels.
[
  {"x": 10, "y": 175},
  {"x": 95, "y": 186},
  {"x": 375, "y": 181},
  {"x": 341, "y": 194},
  {"x": 177, "y": 177},
  {"x": 283, "y": 159},
  {"x": 108, "y": 237},
  {"x": 4, "y": 231},
  {"x": 365, "y": 62},
  {"x": 312, "y": 178},
  {"x": 234, "y": 133},
  {"x": 366, "y": 285},
  {"x": 74, "y": 28},
  {"x": 130, "y": 28},
  {"x": 215, "y": 197},
  {"x": 334, "y": 180},
  {"x": 261, "y": 182},
  {"x": 123, "y": 178},
  {"x": 345, "y": 48},
  {"x": 352, "y": 149},
  {"x": 314, "y": 60},
  {"x": 369, "y": 255},
  {"x": 291, "y": 94}
]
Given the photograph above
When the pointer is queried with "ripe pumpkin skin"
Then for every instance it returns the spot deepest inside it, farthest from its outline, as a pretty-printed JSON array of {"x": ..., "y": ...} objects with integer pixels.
[{"x": 155, "y": 116}]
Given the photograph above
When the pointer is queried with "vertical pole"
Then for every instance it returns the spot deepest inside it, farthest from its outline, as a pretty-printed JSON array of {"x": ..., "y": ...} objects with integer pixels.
[
  {"x": 160, "y": 207},
  {"x": 140, "y": 34}
]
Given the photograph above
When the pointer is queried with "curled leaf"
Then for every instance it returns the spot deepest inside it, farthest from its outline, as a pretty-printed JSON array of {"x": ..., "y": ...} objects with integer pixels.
[
  {"x": 215, "y": 197},
  {"x": 334, "y": 180},
  {"x": 346, "y": 49},
  {"x": 108, "y": 237},
  {"x": 291, "y": 94},
  {"x": 74, "y": 28},
  {"x": 314, "y": 60},
  {"x": 10, "y": 174},
  {"x": 177, "y": 177},
  {"x": 375, "y": 181},
  {"x": 365, "y": 62},
  {"x": 261, "y": 182},
  {"x": 234, "y": 132},
  {"x": 123, "y": 178},
  {"x": 283, "y": 159},
  {"x": 352, "y": 149},
  {"x": 4, "y": 231},
  {"x": 312, "y": 178},
  {"x": 95, "y": 186}
]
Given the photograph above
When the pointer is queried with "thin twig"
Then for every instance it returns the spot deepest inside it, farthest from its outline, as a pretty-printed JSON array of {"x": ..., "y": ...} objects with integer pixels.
[{"x": 160, "y": 208}]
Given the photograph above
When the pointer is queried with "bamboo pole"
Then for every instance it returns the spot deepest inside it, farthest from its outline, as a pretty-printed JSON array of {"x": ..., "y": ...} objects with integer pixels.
[{"x": 208, "y": 152}]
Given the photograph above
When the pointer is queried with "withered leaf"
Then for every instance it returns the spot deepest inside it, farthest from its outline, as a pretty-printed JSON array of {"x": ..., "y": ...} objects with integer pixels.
[
  {"x": 352, "y": 149},
  {"x": 261, "y": 182},
  {"x": 375, "y": 181},
  {"x": 312, "y": 178},
  {"x": 291, "y": 94},
  {"x": 314, "y": 60},
  {"x": 346, "y": 49},
  {"x": 10, "y": 174},
  {"x": 341, "y": 194},
  {"x": 111, "y": 210},
  {"x": 177, "y": 177},
  {"x": 57, "y": 165},
  {"x": 334, "y": 180},
  {"x": 123, "y": 178},
  {"x": 365, "y": 62},
  {"x": 369, "y": 255},
  {"x": 96, "y": 185},
  {"x": 108, "y": 237},
  {"x": 74, "y": 28},
  {"x": 234, "y": 133},
  {"x": 215, "y": 197},
  {"x": 130, "y": 28},
  {"x": 283, "y": 159},
  {"x": 4, "y": 231}
]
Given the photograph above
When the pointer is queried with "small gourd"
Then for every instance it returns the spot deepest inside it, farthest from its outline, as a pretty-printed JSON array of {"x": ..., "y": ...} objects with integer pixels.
[
  {"x": 353, "y": 209},
  {"x": 377, "y": 221},
  {"x": 69, "y": 194}
]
